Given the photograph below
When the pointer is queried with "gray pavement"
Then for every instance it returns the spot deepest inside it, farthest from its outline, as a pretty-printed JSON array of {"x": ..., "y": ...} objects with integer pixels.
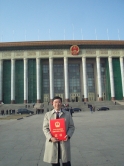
[{"x": 98, "y": 140}]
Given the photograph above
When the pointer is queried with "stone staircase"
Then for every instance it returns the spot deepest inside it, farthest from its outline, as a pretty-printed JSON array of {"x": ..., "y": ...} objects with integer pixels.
[
  {"x": 48, "y": 106},
  {"x": 111, "y": 104},
  {"x": 15, "y": 107},
  {"x": 39, "y": 105},
  {"x": 97, "y": 104}
]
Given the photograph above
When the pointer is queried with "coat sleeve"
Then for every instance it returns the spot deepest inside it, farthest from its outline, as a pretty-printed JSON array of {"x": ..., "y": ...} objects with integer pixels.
[
  {"x": 71, "y": 126},
  {"x": 46, "y": 127}
]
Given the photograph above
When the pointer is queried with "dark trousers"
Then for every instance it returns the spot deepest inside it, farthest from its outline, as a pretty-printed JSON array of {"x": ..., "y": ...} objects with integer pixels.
[
  {"x": 58, "y": 164},
  {"x": 63, "y": 164}
]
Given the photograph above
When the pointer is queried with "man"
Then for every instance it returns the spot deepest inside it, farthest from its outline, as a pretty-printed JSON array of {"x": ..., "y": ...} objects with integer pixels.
[{"x": 55, "y": 149}]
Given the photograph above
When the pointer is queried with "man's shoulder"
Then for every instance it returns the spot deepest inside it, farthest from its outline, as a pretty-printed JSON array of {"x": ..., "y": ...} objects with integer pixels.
[
  {"x": 66, "y": 112},
  {"x": 49, "y": 113}
]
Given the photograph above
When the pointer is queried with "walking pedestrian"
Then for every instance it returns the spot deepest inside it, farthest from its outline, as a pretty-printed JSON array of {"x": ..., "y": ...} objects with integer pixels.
[{"x": 71, "y": 111}]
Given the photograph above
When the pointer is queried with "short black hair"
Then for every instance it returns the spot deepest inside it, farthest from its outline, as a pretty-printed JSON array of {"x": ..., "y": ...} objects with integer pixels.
[{"x": 57, "y": 97}]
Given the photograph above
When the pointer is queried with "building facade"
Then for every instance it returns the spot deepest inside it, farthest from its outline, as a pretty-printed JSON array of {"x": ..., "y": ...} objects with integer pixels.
[{"x": 75, "y": 70}]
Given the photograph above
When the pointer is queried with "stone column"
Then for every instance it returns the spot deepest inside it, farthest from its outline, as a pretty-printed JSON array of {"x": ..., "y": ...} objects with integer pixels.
[
  {"x": 1, "y": 79},
  {"x": 66, "y": 79},
  {"x": 85, "y": 78},
  {"x": 38, "y": 80},
  {"x": 12, "y": 81},
  {"x": 111, "y": 78},
  {"x": 122, "y": 74},
  {"x": 51, "y": 78},
  {"x": 25, "y": 80},
  {"x": 99, "y": 78}
]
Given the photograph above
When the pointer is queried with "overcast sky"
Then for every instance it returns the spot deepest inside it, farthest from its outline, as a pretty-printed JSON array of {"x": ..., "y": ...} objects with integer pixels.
[{"x": 34, "y": 20}]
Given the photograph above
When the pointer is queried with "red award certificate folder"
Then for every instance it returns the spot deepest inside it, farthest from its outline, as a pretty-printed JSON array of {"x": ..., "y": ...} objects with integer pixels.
[{"x": 58, "y": 129}]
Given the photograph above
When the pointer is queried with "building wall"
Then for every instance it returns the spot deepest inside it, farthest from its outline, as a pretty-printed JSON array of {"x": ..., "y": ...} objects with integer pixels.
[{"x": 58, "y": 55}]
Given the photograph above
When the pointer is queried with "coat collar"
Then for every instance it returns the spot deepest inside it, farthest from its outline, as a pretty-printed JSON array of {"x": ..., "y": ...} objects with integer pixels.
[{"x": 62, "y": 112}]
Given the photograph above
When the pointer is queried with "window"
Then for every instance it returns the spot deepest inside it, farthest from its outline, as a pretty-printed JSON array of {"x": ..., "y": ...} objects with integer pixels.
[
  {"x": 74, "y": 78},
  {"x": 90, "y": 78},
  {"x": 58, "y": 78},
  {"x": 103, "y": 78},
  {"x": 45, "y": 79}
]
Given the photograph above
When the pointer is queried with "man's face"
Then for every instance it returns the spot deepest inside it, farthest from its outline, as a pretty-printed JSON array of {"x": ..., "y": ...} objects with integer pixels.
[{"x": 57, "y": 104}]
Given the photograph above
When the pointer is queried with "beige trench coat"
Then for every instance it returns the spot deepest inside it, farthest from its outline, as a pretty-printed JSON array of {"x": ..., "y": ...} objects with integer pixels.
[{"x": 51, "y": 149}]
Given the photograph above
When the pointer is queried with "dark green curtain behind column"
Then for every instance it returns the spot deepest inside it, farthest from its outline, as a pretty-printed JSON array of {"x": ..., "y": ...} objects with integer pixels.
[
  {"x": 7, "y": 81},
  {"x": 32, "y": 98},
  {"x": 117, "y": 79},
  {"x": 19, "y": 81}
]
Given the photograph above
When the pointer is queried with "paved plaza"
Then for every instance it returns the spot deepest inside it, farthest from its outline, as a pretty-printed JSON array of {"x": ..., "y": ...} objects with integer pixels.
[{"x": 98, "y": 140}]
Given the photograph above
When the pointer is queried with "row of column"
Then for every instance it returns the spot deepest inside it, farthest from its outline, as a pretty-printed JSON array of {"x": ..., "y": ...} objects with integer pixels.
[
  {"x": 38, "y": 79},
  {"x": 52, "y": 81}
]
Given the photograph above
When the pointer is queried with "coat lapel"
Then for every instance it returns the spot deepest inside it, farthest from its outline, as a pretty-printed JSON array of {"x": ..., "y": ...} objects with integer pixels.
[
  {"x": 53, "y": 114},
  {"x": 61, "y": 113}
]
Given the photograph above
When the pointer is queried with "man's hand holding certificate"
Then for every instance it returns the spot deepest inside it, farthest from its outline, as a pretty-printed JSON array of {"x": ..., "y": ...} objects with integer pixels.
[{"x": 58, "y": 130}]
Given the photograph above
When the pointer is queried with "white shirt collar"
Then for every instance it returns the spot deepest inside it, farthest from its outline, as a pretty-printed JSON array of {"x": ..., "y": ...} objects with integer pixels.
[{"x": 57, "y": 111}]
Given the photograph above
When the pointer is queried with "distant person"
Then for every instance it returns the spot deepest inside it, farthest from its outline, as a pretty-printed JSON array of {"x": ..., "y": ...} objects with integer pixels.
[
  {"x": 67, "y": 105},
  {"x": 91, "y": 108},
  {"x": 72, "y": 100},
  {"x": 94, "y": 109},
  {"x": 42, "y": 110},
  {"x": 64, "y": 105},
  {"x": 6, "y": 112},
  {"x": 67, "y": 109},
  {"x": 71, "y": 111},
  {"x": 2, "y": 112}
]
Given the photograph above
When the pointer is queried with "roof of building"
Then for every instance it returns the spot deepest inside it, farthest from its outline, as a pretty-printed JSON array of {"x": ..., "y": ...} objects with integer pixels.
[{"x": 62, "y": 43}]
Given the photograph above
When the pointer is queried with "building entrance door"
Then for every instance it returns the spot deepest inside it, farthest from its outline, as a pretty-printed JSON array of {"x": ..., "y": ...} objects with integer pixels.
[
  {"x": 60, "y": 95},
  {"x": 74, "y": 97},
  {"x": 46, "y": 98},
  {"x": 91, "y": 96},
  {"x": 104, "y": 96}
]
